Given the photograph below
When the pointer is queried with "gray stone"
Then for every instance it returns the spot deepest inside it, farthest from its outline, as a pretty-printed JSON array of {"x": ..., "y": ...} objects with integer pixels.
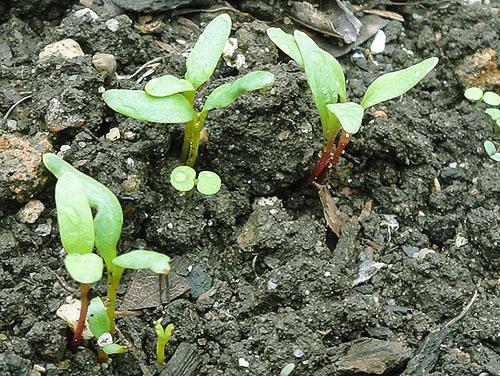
[
  {"x": 159, "y": 5},
  {"x": 373, "y": 356}
]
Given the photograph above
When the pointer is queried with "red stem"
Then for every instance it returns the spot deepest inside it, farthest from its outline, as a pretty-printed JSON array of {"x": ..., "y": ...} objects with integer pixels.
[
  {"x": 320, "y": 166},
  {"x": 343, "y": 141},
  {"x": 84, "y": 299}
]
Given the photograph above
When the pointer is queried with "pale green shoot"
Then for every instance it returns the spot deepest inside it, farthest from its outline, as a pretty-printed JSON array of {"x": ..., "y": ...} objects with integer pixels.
[
  {"x": 183, "y": 178},
  {"x": 163, "y": 336}
]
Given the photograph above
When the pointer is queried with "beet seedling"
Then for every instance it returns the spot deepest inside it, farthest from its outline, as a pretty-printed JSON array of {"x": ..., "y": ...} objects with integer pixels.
[
  {"x": 162, "y": 337},
  {"x": 168, "y": 99},
  {"x": 340, "y": 119},
  {"x": 76, "y": 195},
  {"x": 183, "y": 178}
]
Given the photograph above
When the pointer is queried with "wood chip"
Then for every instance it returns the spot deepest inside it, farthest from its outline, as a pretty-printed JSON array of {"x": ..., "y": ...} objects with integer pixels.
[
  {"x": 333, "y": 216},
  {"x": 385, "y": 14}
]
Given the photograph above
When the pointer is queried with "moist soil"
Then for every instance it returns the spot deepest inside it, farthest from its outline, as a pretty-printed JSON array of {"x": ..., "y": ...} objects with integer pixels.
[{"x": 263, "y": 283}]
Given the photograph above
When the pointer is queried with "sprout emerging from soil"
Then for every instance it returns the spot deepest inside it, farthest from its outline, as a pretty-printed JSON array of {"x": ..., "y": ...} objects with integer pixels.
[
  {"x": 341, "y": 119},
  {"x": 183, "y": 178},
  {"x": 163, "y": 335},
  {"x": 76, "y": 195},
  {"x": 491, "y": 150},
  {"x": 168, "y": 99}
]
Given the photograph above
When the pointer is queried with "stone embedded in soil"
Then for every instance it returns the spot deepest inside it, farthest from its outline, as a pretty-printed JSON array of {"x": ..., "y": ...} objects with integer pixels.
[
  {"x": 58, "y": 118},
  {"x": 185, "y": 361},
  {"x": 66, "y": 48},
  {"x": 479, "y": 69},
  {"x": 373, "y": 356},
  {"x": 146, "y": 6},
  {"x": 104, "y": 63},
  {"x": 30, "y": 212},
  {"x": 21, "y": 167}
]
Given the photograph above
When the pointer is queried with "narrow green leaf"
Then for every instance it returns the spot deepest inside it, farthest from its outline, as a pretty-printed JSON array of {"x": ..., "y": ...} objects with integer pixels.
[
  {"x": 286, "y": 43},
  {"x": 473, "y": 94},
  {"x": 113, "y": 348},
  {"x": 349, "y": 114},
  {"x": 207, "y": 51},
  {"x": 394, "y": 84},
  {"x": 97, "y": 318},
  {"x": 108, "y": 218},
  {"x": 141, "y": 259},
  {"x": 209, "y": 183},
  {"x": 164, "y": 86},
  {"x": 324, "y": 76},
  {"x": 76, "y": 225},
  {"x": 137, "y": 104},
  {"x": 226, "y": 94},
  {"x": 182, "y": 178},
  {"x": 85, "y": 268},
  {"x": 494, "y": 113}
]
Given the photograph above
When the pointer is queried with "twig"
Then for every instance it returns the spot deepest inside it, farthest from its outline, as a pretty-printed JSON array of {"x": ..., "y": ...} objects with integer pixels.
[
  {"x": 464, "y": 311},
  {"x": 7, "y": 114},
  {"x": 145, "y": 65},
  {"x": 230, "y": 9}
]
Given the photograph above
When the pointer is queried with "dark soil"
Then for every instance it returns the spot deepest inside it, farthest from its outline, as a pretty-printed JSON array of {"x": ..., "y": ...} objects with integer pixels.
[{"x": 269, "y": 284}]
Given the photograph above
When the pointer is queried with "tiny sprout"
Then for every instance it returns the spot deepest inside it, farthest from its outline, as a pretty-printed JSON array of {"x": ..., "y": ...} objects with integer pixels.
[
  {"x": 491, "y": 98},
  {"x": 100, "y": 327},
  {"x": 287, "y": 370},
  {"x": 163, "y": 335},
  {"x": 494, "y": 113},
  {"x": 491, "y": 150},
  {"x": 170, "y": 100},
  {"x": 183, "y": 178},
  {"x": 473, "y": 94},
  {"x": 339, "y": 118}
]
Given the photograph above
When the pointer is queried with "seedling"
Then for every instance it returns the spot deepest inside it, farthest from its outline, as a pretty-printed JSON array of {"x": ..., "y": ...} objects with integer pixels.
[
  {"x": 340, "y": 119},
  {"x": 168, "y": 99},
  {"x": 76, "y": 195},
  {"x": 183, "y": 178},
  {"x": 476, "y": 95},
  {"x": 163, "y": 335}
]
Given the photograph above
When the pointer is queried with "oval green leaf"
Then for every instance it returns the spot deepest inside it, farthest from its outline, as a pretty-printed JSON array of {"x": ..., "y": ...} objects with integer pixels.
[
  {"x": 108, "y": 218},
  {"x": 167, "y": 85},
  {"x": 141, "y": 259},
  {"x": 491, "y": 150},
  {"x": 137, "y": 104},
  {"x": 97, "y": 318},
  {"x": 76, "y": 225},
  {"x": 349, "y": 114},
  {"x": 226, "y": 94},
  {"x": 494, "y": 113},
  {"x": 85, "y": 268},
  {"x": 394, "y": 84},
  {"x": 324, "y": 76},
  {"x": 286, "y": 43},
  {"x": 473, "y": 94},
  {"x": 209, "y": 183},
  {"x": 207, "y": 51},
  {"x": 113, "y": 348},
  {"x": 182, "y": 178},
  {"x": 491, "y": 98}
]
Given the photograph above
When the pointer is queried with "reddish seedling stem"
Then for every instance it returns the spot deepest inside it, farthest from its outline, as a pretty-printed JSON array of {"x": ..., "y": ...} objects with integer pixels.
[
  {"x": 84, "y": 299},
  {"x": 320, "y": 166},
  {"x": 343, "y": 141}
]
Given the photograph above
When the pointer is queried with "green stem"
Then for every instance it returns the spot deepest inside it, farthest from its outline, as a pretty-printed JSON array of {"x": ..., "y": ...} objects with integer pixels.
[
  {"x": 160, "y": 350},
  {"x": 194, "y": 142},
  {"x": 188, "y": 130},
  {"x": 114, "y": 276}
]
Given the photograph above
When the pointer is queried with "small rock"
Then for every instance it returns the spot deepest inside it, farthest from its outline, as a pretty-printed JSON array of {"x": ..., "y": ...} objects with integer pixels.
[
  {"x": 129, "y": 136},
  {"x": 104, "y": 63},
  {"x": 479, "y": 70},
  {"x": 131, "y": 184},
  {"x": 113, "y": 25},
  {"x": 420, "y": 255},
  {"x": 66, "y": 48},
  {"x": 30, "y": 212},
  {"x": 373, "y": 356},
  {"x": 87, "y": 3},
  {"x": 21, "y": 167},
  {"x": 113, "y": 134},
  {"x": 86, "y": 11},
  {"x": 298, "y": 353},
  {"x": 57, "y": 118},
  {"x": 44, "y": 229},
  {"x": 243, "y": 363},
  {"x": 378, "y": 44},
  {"x": 151, "y": 6}
]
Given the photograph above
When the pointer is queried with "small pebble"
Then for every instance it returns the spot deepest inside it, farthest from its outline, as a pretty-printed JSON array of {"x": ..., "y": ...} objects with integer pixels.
[
  {"x": 30, "y": 212},
  {"x": 104, "y": 63},
  {"x": 243, "y": 363},
  {"x": 113, "y": 134},
  {"x": 113, "y": 25},
  {"x": 86, "y": 11},
  {"x": 378, "y": 44}
]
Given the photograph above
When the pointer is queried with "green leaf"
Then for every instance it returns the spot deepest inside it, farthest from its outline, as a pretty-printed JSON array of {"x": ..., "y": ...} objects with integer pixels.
[
  {"x": 182, "y": 178},
  {"x": 491, "y": 150},
  {"x": 286, "y": 43},
  {"x": 494, "y": 113},
  {"x": 164, "y": 86},
  {"x": 394, "y": 84},
  {"x": 137, "y": 104},
  {"x": 97, "y": 318},
  {"x": 349, "y": 114},
  {"x": 207, "y": 51},
  {"x": 108, "y": 218},
  {"x": 226, "y": 94},
  {"x": 76, "y": 225},
  {"x": 324, "y": 76},
  {"x": 141, "y": 259},
  {"x": 473, "y": 94},
  {"x": 113, "y": 348},
  {"x": 491, "y": 98},
  {"x": 85, "y": 268},
  {"x": 209, "y": 183}
]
